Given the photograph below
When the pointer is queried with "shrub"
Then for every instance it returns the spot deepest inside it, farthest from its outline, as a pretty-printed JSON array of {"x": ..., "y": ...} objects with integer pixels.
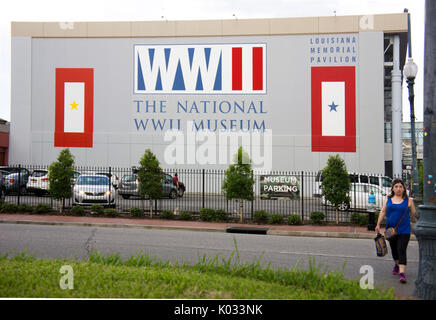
[
  {"x": 111, "y": 212},
  {"x": 136, "y": 212},
  {"x": 24, "y": 207},
  {"x": 355, "y": 218},
  {"x": 276, "y": 218},
  {"x": 41, "y": 208},
  {"x": 220, "y": 215},
  {"x": 166, "y": 214},
  {"x": 364, "y": 220},
  {"x": 294, "y": 219},
  {"x": 361, "y": 219},
  {"x": 260, "y": 216},
  {"x": 97, "y": 208},
  {"x": 206, "y": 214},
  {"x": 9, "y": 207},
  {"x": 185, "y": 215},
  {"x": 317, "y": 217},
  {"x": 78, "y": 210}
]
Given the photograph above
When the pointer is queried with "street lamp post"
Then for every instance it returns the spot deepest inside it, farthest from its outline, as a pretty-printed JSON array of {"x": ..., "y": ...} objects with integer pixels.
[{"x": 410, "y": 70}]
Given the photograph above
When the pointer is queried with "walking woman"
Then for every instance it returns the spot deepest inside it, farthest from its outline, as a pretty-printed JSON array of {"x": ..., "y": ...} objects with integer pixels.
[{"x": 396, "y": 205}]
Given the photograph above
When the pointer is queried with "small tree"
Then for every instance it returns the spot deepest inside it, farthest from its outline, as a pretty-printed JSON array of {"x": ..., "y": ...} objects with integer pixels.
[
  {"x": 60, "y": 175},
  {"x": 150, "y": 178},
  {"x": 336, "y": 183},
  {"x": 238, "y": 182}
]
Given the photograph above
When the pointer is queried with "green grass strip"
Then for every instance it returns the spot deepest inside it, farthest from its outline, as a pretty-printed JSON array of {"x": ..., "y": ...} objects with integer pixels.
[{"x": 143, "y": 277}]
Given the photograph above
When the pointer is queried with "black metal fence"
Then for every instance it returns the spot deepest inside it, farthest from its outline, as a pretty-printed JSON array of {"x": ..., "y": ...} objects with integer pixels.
[{"x": 278, "y": 192}]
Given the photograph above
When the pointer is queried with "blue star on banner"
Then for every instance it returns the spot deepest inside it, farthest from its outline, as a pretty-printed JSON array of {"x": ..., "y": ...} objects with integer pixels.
[{"x": 333, "y": 106}]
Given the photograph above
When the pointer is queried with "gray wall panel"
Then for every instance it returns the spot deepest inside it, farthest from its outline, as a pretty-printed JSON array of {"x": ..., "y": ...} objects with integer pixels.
[{"x": 117, "y": 142}]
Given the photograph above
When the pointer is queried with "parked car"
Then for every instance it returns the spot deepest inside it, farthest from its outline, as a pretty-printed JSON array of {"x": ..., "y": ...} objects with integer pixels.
[
  {"x": 359, "y": 194},
  {"x": 114, "y": 178},
  {"x": 76, "y": 175},
  {"x": 38, "y": 182},
  {"x": 93, "y": 189},
  {"x": 381, "y": 181},
  {"x": 129, "y": 186},
  {"x": 15, "y": 180}
]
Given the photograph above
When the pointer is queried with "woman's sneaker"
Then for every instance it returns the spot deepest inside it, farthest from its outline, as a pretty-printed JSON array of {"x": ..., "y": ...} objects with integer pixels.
[
  {"x": 395, "y": 270},
  {"x": 402, "y": 278}
]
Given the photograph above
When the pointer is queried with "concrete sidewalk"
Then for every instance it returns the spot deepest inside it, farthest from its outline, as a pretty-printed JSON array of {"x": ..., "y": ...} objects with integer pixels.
[{"x": 157, "y": 223}]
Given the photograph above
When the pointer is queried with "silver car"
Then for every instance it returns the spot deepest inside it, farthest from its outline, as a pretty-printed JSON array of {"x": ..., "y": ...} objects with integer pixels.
[
  {"x": 94, "y": 189},
  {"x": 130, "y": 183}
]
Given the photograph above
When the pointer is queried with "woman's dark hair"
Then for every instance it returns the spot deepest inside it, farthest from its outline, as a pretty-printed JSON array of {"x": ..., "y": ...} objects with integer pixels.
[{"x": 396, "y": 181}]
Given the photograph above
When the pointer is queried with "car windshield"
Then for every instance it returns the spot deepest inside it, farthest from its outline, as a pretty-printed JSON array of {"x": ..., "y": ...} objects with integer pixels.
[
  {"x": 130, "y": 178},
  {"x": 39, "y": 173},
  {"x": 92, "y": 180},
  {"x": 387, "y": 182}
]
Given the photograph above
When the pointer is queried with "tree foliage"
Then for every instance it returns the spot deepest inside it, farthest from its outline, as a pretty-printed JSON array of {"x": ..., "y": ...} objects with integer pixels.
[
  {"x": 150, "y": 178},
  {"x": 60, "y": 175},
  {"x": 238, "y": 182},
  {"x": 336, "y": 182}
]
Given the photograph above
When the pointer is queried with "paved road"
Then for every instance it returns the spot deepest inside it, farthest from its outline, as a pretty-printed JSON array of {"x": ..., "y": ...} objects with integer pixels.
[{"x": 184, "y": 246}]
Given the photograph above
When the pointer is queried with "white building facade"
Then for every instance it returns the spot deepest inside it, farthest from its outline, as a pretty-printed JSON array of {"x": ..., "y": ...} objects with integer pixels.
[{"x": 291, "y": 91}]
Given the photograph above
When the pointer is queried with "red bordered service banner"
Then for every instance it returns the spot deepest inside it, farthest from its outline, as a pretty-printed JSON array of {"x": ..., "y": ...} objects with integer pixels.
[
  {"x": 333, "y": 94},
  {"x": 74, "y": 110}
]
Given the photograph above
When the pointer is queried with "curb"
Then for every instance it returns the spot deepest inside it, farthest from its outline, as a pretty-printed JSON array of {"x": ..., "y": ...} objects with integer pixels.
[
  {"x": 113, "y": 225},
  {"x": 319, "y": 234}
]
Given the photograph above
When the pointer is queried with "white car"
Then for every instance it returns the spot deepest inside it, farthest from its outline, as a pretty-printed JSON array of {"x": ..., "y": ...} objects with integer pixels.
[
  {"x": 356, "y": 178},
  {"x": 38, "y": 182},
  {"x": 93, "y": 189},
  {"x": 359, "y": 194}
]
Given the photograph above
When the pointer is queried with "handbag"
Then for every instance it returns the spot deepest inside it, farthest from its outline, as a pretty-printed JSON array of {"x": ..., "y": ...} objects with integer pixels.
[
  {"x": 391, "y": 233},
  {"x": 380, "y": 245}
]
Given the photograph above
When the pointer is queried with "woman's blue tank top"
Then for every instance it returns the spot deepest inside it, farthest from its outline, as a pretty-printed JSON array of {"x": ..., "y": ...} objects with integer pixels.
[{"x": 394, "y": 212}]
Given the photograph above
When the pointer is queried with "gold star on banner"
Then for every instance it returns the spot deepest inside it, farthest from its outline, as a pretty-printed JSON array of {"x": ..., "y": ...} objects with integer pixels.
[{"x": 74, "y": 105}]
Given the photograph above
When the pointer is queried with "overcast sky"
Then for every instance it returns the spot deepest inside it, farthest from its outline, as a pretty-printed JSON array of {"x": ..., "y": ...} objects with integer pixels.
[{"x": 142, "y": 10}]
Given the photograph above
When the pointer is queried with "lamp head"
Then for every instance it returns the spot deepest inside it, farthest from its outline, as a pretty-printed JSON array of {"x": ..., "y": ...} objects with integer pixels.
[{"x": 410, "y": 69}]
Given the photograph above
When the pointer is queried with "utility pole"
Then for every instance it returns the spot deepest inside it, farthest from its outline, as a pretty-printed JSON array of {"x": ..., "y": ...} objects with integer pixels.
[{"x": 425, "y": 228}]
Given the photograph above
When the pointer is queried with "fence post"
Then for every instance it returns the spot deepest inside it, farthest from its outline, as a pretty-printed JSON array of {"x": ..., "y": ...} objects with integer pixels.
[
  {"x": 254, "y": 195},
  {"x": 19, "y": 185},
  {"x": 302, "y": 195},
  {"x": 203, "y": 190},
  {"x": 110, "y": 182}
]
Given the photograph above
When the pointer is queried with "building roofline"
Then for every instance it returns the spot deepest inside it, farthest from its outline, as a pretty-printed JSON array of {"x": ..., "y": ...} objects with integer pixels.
[{"x": 388, "y": 23}]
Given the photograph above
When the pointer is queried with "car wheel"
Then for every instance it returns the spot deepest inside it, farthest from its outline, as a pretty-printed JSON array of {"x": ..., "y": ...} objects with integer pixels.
[
  {"x": 173, "y": 194},
  {"x": 343, "y": 207},
  {"x": 125, "y": 196}
]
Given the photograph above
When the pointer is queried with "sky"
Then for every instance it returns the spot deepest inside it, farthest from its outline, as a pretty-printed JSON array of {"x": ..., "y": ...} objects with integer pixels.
[{"x": 146, "y": 10}]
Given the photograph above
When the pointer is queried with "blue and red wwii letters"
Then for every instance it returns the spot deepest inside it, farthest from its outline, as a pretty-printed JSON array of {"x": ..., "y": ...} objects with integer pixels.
[{"x": 200, "y": 69}]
